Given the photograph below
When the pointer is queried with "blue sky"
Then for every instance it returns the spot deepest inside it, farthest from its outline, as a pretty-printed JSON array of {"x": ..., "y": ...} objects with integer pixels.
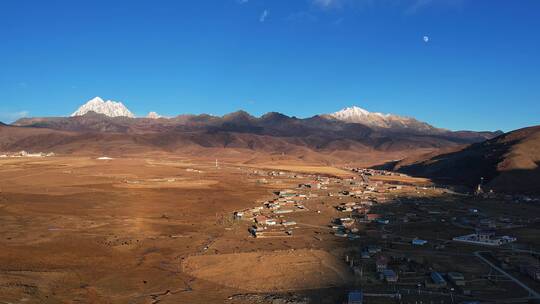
[{"x": 479, "y": 69}]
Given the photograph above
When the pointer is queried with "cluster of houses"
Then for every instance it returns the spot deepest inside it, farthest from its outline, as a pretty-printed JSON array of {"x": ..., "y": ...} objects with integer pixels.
[
  {"x": 373, "y": 172},
  {"x": 26, "y": 154},
  {"x": 523, "y": 261},
  {"x": 533, "y": 271},
  {"x": 358, "y": 212},
  {"x": 386, "y": 266},
  {"x": 357, "y": 202},
  {"x": 385, "y": 273},
  {"x": 270, "y": 218}
]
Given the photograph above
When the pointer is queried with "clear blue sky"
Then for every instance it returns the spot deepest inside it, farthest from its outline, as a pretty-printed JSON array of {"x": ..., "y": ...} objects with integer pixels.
[{"x": 480, "y": 69}]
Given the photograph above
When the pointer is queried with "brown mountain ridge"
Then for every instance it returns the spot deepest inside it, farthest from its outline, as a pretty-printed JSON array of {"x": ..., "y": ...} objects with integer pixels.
[{"x": 507, "y": 163}]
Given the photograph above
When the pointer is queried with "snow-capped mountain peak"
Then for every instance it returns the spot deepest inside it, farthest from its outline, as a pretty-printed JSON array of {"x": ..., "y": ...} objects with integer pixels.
[
  {"x": 356, "y": 114},
  {"x": 153, "y": 115},
  {"x": 109, "y": 108}
]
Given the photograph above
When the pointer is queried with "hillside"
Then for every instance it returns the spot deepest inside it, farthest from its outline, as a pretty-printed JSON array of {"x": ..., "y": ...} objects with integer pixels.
[{"x": 508, "y": 163}]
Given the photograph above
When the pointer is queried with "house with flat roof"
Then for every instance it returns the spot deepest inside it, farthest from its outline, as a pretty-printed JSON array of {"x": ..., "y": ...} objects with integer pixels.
[
  {"x": 437, "y": 281},
  {"x": 390, "y": 276},
  {"x": 355, "y": 297},
  {"x": 456, "y": 278},
  {"x": 381, "y": 263}
]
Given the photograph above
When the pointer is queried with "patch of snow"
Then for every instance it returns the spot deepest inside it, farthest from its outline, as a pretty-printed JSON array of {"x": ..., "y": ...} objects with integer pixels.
[
  {"x": 109, "y": 108},
  {"x": 356, "y": 114},
  {"x": 153, "y": 115}
]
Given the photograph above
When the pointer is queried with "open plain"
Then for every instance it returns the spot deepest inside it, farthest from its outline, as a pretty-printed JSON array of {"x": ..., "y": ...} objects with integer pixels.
[
  {"x": 166, "y": 229},
  {"x": 79, "y": 229}
]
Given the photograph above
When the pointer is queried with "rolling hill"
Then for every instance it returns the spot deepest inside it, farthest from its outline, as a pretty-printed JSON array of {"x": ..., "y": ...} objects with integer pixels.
[{"x": 508, "y": 163}]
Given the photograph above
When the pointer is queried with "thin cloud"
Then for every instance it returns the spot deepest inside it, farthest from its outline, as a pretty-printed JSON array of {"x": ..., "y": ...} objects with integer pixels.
[
  {"x": 327, "y": 3},
  {"x": 417, "y": 6},
  {"x": 420, "y": 5},
  {"x": 410, "y": 7},
  {"x": 263, "y": 16},
  {"x": 242, "y": 1}
]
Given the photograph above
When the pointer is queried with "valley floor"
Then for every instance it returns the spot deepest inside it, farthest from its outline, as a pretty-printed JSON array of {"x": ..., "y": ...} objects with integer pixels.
[{"x": 161, "y": 230}]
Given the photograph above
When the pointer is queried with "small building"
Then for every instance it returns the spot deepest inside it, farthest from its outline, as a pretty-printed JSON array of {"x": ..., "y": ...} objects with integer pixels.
[
  {"x": 272, "y": 205},
  {"x": 419, "y": 242},
  {"x": 437, "y": 281},
  {"x": 341, "y": 233},
  {"x": 372, "y": 216},
  {"x": 283, "y": 211},
  {"x": 257, "y": 209},
  {"x": 390, "y": 276},
  {"x": 456, "y": 278},
  {"x": 381, "y": 263},
  {"x": 373, "y": 249},
  {"x": 346, "y": 221},
  {"x": 261, "y": 219},
  {"x": 532, "y": 271},
  {"x": 355, "y": 297},
  {"x": 344, "y": 208},
  {"x": 270, "y": 222},
  {"x": 382, "y": 221}
]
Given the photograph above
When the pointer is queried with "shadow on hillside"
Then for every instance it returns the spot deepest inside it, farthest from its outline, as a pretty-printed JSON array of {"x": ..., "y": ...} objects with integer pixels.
[
  {"x": 466, "y": 168},
  {"x": 424, "y": 225}
]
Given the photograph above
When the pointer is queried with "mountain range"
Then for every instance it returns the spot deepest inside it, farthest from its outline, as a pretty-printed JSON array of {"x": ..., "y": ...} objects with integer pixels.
[
  {"x": 352, "y": 136},
  {"x": 352, "y": 114},
  {"x": 386, "y": 123},
  {"x": 352, "y": 129},
  {"x": 381, "y": 132}
]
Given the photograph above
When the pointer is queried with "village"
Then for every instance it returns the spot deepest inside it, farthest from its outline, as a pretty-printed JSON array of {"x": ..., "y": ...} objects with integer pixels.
[
  {"x": 404, "y": 239},
  {"x": 26, "y": 154}
]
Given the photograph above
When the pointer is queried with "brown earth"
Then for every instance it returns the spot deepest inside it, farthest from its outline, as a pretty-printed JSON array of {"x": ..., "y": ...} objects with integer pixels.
[
  {"x": 72, "y": 231},
  {"x": 272, "y": 271}
]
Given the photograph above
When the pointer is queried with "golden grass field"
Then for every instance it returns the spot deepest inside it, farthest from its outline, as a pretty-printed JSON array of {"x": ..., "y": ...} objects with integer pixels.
[{"x": 82, "y": 230}]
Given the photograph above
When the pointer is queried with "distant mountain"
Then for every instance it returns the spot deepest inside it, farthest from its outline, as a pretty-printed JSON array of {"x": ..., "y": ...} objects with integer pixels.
[
  {"x": 270, "y": 133},
  {"x": 110, "y": 127},
  {"x": 153, "y": 115},
  {"x": 508, "y": 163},
  {"x": 356, "y": 114},
  {"x": 108, "y": 108}
]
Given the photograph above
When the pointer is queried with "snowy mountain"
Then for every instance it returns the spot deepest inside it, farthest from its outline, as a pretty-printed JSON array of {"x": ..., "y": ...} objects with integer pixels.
[
  {"x": 356, "y": 114},
  {"x": 109, "y": 108},
  {"x": 153, "y": 115}
]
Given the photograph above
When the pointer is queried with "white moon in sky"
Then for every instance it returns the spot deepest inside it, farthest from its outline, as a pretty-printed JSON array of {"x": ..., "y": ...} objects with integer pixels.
[{"x": 426, "y": 39}]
